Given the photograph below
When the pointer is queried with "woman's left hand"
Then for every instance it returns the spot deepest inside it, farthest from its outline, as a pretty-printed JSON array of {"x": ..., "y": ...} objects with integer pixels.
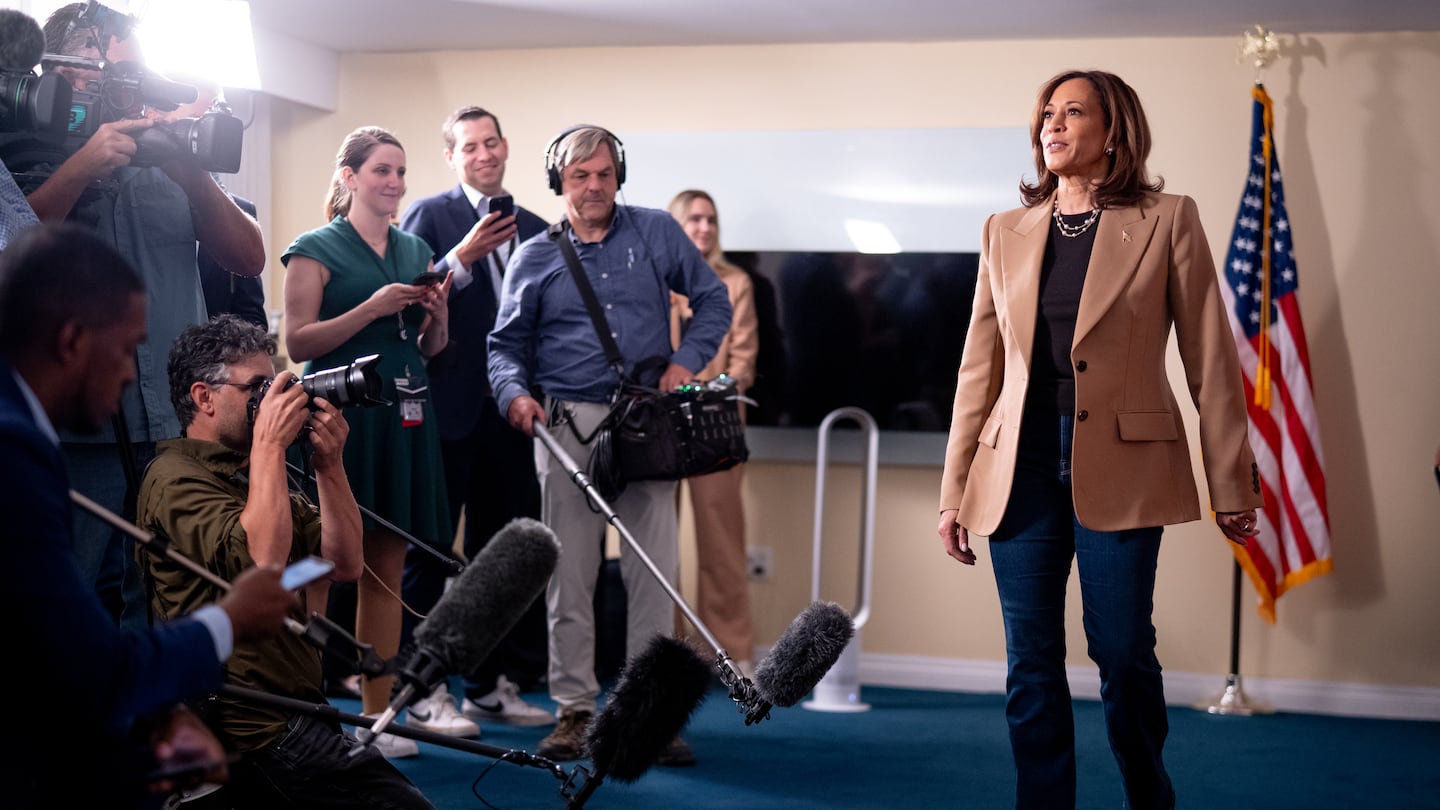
[{"x": 1236, "y": 526}]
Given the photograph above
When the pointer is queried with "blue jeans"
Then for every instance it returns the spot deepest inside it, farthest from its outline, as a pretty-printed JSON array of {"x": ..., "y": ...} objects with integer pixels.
[{"x": 1031, "y": 553}]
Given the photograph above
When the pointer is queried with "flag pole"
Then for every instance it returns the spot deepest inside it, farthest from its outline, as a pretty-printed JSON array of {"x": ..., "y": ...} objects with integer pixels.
[
  {"x": 1232, "y": 699},
  {"x": 1260, "y": 46}
]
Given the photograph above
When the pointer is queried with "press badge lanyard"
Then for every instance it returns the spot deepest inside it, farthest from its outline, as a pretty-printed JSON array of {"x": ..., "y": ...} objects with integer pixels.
[{"x": 411, "y": 390}]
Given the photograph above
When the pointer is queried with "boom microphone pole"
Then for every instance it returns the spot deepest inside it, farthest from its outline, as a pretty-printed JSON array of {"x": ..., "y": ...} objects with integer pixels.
[
  {"x": 575, "y": 787},
  {"x": 810, "y": 646},
  {"x": 320, "y": 632},
  {"x": 455, "y": 565}
]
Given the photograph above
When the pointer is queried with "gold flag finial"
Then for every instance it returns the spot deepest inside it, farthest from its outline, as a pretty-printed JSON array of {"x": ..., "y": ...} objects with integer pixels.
[{"x": 1259, "y": 46}]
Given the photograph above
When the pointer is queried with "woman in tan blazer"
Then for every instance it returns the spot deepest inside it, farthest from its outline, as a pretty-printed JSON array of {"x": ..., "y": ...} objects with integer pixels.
[
  {"x": 723, "y": 598},
  {"x": 1066, "y": 440}
]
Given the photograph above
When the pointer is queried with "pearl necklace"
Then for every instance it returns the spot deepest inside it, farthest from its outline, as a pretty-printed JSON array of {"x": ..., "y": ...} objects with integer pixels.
[{"x": 1072, "y": 231}]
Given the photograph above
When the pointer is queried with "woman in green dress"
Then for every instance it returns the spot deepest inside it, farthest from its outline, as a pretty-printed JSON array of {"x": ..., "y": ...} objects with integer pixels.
[{"x": 350, "y": 291}]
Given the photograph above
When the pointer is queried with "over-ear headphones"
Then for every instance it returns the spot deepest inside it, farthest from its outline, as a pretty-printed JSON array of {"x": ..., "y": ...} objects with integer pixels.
[{"x": 552, "y": 172}]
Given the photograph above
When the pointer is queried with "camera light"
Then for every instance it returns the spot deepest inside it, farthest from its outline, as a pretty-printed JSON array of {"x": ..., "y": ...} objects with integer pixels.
[{"x": 205, "y": 39}]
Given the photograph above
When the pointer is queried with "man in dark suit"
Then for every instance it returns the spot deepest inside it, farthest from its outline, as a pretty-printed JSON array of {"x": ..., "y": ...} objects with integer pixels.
[
  {"x": 489, "y": 467},
  {"x": 227, "y": 292},
  {"x": 71, "y": 314}
]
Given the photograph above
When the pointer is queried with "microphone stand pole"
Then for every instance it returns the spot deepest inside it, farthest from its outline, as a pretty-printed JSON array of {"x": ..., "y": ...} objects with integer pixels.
[
  {"x": 741, "y": 690},
  {"x": 455, "y": 565},
  {"x": 575, "y": 792},
  {"x": 320, "y": 632}
]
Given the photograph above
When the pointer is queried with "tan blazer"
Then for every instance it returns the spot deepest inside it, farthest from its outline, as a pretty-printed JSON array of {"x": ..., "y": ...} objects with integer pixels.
[{"x": 1150, "y": 268}]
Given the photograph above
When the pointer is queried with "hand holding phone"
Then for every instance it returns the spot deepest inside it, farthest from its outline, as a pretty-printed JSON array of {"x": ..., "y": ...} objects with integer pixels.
[
  {"x": 504, "y": 204},
  {"x": 429, "y": 277}
]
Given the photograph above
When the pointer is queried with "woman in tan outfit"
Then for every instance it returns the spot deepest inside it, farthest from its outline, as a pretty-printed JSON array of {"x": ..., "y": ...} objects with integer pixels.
[
  {"x": 1067, "y": 443},
  {"x": 724, "y": 593}
]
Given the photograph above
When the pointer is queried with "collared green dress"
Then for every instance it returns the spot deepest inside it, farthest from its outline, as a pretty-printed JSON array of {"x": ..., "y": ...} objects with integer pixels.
[{"x": 395, "y": 469}]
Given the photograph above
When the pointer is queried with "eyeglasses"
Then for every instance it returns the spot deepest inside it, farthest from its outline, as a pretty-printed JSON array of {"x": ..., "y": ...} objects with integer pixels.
[{"x": 253, "y": 386}]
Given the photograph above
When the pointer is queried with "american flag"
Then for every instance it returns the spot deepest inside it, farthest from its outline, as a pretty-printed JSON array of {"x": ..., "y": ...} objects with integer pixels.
[{"x": 1260, "y": 295}]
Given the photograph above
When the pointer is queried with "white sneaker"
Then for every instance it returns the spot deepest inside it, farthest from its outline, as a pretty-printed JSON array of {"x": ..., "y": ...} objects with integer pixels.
[
  {"x": 393, "y": 747},
  {"x": 437, "y": 713},
  {"x": 505, "y": 706}
]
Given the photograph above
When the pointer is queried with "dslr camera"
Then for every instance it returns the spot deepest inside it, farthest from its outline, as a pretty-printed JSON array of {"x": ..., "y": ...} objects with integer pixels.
[{"x": 356, "y": 383}]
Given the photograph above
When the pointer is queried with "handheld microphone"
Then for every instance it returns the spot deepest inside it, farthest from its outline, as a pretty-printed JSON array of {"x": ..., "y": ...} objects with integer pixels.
[
  {"x": 471, "y": 618},
  {"x": 652, "y": 701},
  {"x": 22, "y": 43},
  {"x": 809, "y": 648}
]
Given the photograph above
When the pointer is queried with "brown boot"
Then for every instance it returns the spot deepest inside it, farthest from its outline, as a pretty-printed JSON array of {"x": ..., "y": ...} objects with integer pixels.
[
  {"x": 678, "y": 754},
  {"x": 567, "y": 741}
]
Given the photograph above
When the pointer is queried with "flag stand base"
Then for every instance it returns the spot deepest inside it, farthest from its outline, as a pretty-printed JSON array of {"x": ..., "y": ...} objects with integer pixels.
[{"x": 1233, "y": 701}]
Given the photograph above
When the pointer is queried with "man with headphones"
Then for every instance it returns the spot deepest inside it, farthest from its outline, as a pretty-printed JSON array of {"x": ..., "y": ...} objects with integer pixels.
[
  {"x": 545, "y": 349},
  {"x": 489, "y": 468}
]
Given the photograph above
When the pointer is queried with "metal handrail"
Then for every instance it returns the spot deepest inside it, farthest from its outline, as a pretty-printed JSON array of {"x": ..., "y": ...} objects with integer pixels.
[{"x": 861, "y": 417}]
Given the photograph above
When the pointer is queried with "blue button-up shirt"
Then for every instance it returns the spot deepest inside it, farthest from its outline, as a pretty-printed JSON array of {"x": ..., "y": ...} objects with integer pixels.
[{"x": 543, "y": 334}]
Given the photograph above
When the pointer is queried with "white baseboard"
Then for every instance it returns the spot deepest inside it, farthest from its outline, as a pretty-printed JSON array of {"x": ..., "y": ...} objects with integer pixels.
[{"x": 1181, "y": 688}]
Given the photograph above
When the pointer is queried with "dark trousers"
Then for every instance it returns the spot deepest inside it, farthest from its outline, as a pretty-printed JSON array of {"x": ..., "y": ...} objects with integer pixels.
[
  {"x": 311, "y": 767},
  {"x": 491, "y": 474},
  {"x": 1031, "y": 553}
]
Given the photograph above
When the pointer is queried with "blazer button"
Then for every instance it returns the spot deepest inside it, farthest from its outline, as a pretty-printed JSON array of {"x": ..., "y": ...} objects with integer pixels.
[
  {"x": 1082, "y": 416},
  {"x": 1081, "y": 366}
]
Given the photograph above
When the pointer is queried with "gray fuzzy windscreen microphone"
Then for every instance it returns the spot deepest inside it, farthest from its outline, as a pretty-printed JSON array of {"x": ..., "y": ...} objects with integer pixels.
[
  {"x": 808, "y": 649},
  {"x": 489, "y": 596},
  {"x": 22, "y": 43}
]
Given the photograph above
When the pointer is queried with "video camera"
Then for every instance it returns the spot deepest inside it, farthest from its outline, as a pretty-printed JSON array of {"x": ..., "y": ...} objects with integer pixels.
[
  {"x": 357, "y": 383},
  {"x": 48, "y": 106}
]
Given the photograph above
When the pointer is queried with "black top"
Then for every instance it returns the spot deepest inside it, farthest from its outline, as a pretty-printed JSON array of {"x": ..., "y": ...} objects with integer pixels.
[{"x": 1062, "y": 277}]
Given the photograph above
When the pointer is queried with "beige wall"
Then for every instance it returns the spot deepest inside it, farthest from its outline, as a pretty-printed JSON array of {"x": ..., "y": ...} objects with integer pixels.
[{"x": 1357, "y": 124}]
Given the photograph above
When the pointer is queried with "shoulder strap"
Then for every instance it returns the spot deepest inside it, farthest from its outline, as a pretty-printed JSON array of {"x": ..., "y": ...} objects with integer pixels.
[{"x": 559, "y": 233}]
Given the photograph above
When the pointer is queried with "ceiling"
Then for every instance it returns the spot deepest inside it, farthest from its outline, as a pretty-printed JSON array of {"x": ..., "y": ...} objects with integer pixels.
[{"x": 426, "y": 25}]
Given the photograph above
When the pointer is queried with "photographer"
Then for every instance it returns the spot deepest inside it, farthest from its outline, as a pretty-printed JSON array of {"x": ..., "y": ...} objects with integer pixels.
[
  {"x": 220, "y": 493},
  {"x": 154, "y": 216}
]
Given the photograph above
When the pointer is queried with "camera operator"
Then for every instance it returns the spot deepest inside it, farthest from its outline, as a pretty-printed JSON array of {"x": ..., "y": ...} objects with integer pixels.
[
  {"x": 154, "y": 216},
  {"x": 220, "y": 493}
]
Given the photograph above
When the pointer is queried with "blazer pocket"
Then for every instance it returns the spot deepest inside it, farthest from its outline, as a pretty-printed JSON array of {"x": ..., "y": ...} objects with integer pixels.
[
  {"x": 1147, "y": 426},
  {"x": 991, "y": 433}
]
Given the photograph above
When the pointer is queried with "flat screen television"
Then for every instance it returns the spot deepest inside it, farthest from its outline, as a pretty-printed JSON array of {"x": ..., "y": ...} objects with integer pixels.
[{"x": 882, "y": 332}]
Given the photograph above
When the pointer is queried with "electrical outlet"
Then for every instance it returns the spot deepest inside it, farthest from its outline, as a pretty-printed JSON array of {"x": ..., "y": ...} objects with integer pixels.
[{"x": 758, "y": 562}]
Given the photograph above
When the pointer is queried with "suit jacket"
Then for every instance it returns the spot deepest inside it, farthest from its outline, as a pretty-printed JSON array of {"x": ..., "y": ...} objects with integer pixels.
[
  {"x": 459, "y": 378},
  {"x": 63, "y": 642},
  {"x": 227, "y": 292},
  {"x": 1150, "y": 269}
]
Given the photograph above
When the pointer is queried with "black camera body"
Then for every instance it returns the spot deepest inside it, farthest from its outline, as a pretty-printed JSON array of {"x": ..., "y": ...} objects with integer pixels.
[
  {"x": 47, "y": 107},
  {"x": 124, "y": 90},
  {"x": 357, "y": 383}
]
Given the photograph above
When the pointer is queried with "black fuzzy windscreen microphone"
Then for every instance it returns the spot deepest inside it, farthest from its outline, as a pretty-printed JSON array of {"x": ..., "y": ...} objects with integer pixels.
[
  {"x": 652, "y": 701},
  {"x": 810, "y": 647},
  {"x": 22, "y": 43},
  {"x": 489, "y": 596},
  {"x": 471, "y": 618}
]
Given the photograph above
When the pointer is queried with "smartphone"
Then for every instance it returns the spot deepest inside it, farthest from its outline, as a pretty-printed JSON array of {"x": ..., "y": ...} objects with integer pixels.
[
  {"x": 505, "y": 204},
  {"x": 429, "y": 277},
  {"x": 305, "y": 571}
]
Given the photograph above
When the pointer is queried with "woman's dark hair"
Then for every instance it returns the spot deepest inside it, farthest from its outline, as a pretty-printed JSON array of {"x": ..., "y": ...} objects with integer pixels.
[
  {"x": 354, "y": 151},
  {"x": 1127, "y": 133}
]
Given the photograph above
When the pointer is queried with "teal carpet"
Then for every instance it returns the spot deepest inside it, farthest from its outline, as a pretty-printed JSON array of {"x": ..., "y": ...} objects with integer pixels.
[{"x": 918, "y": 749}]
